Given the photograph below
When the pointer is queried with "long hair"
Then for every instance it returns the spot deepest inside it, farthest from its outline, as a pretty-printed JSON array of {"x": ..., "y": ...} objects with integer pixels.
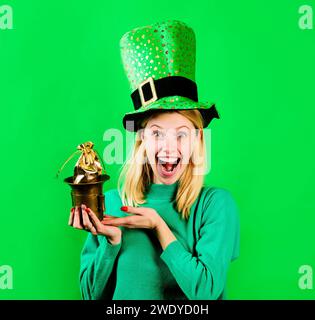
[{"x": 136, "y": 173}]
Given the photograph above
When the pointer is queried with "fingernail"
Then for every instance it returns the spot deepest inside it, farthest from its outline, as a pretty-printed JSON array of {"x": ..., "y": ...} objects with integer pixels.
[
  {"x": 87, "y": 210},
  {"x": 124, "y": 208}
]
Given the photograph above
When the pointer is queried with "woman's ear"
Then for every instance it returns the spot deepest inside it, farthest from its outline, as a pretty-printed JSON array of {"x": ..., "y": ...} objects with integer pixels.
[
  {"x": 142, "y": 134},
  {"x": 199, "y": 133}
]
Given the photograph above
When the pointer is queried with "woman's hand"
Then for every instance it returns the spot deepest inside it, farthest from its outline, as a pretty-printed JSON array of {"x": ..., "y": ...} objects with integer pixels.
[
  {"x": 140, "y": 217},
  {"x": 85, "y": 219}
]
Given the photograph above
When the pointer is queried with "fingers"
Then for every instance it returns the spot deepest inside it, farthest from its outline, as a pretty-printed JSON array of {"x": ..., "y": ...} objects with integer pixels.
[
  {"x": 125, "y": 221},
  {"x": 128, "y": 209},
  {"x": 76, "y": 220},
  {"x": 95, "y": 220},
  {"x": 108, "y": 216},
  {"x": 70, "y": 223},
  {"x": 81, "y": 218},
  {"x": 133, "y": 210},
  {"x": 87, "y": 224}
]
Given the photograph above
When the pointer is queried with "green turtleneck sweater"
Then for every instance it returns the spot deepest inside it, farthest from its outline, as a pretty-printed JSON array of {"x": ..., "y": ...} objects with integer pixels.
[{"x": 192, "y": 267}]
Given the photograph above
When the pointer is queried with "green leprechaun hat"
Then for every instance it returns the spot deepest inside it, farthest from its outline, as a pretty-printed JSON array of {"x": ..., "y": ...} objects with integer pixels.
[{"x": 159, "y": 61}]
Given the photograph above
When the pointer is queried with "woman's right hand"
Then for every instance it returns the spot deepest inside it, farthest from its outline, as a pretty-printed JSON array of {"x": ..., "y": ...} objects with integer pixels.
[{"x": 85, "y": 219}]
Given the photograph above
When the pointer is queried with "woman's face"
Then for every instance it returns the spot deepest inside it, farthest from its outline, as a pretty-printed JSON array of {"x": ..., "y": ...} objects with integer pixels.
[{"x": 169, "y": 140}]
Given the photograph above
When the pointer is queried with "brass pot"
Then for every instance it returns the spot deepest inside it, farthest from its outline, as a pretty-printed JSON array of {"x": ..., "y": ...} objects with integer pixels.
[{"x": 89, "y": 193}]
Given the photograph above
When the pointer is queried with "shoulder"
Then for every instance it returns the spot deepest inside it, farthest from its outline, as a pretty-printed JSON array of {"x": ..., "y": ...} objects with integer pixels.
[
  {"x": 209, "y": 194},
  {"x": 218, "y": 203}
]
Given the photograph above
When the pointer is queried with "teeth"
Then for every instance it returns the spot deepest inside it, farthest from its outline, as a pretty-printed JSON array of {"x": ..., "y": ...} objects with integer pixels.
[{"x": 168, "y": 160}]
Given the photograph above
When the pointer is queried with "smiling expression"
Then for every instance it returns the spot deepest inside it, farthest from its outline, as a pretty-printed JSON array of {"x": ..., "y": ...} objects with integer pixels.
[{"x": 169, "y": 140}]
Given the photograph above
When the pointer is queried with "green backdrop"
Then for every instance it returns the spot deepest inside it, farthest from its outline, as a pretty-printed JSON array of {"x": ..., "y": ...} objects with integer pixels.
[{"x": 62, "y": 83}]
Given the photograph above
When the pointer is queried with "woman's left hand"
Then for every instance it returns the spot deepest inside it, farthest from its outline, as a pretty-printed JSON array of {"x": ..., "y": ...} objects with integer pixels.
[{"x": 140, "y": 217}]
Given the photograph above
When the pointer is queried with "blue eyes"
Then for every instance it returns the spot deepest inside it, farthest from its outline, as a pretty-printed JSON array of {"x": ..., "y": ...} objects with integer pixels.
[
  {"x": 159, "y": 134},
  {"x": 182, "y": 135},
  {"x": 156, "y": 133}
]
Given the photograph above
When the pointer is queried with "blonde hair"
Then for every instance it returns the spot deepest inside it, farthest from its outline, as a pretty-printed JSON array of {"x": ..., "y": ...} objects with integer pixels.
[{"x": 136, "y": 173}]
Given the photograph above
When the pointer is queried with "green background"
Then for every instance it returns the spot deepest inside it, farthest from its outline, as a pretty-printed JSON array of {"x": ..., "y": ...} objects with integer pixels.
[{"x": 62, "y": 83}]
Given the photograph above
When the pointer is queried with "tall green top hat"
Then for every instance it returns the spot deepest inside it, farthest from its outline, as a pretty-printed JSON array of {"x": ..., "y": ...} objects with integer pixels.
[{"x": 159, "y": 61}]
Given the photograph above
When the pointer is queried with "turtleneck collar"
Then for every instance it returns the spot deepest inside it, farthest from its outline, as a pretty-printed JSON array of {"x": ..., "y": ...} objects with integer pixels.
[{"x": 162, "y": 191}]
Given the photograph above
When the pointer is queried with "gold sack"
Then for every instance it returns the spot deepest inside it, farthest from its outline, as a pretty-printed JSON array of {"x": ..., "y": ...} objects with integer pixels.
[{"x": 88, "y": 167}]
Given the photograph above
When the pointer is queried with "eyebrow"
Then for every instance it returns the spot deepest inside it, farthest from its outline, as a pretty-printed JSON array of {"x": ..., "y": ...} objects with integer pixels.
[{"x": 155, "y": 125}]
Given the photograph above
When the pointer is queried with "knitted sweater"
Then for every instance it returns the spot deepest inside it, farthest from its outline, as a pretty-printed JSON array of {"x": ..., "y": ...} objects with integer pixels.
[{"x": 193, "y": 267}]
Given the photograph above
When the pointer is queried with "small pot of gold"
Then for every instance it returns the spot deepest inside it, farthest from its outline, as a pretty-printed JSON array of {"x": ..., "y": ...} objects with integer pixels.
[{"x": 88, "y": 179}]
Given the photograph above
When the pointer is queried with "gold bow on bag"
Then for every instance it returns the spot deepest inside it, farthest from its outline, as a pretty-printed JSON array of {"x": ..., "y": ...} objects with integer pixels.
[{"x": 88, "y": 167}]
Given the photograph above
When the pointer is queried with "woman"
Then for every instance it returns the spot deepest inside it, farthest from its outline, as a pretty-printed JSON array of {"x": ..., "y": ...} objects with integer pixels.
[{"x": 167, "y": 235}]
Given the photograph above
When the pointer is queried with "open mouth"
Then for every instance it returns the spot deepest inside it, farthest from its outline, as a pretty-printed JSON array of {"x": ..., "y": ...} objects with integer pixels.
[{"x": 167, "y": 166}]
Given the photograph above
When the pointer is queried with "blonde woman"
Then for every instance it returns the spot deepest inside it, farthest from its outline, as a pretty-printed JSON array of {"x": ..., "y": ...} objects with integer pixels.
[{"x": 165, "y": 234}]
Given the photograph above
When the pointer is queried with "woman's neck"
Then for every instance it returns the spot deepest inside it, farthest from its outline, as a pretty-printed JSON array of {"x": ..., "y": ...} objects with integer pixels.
[{"x": 161, "y": 191}]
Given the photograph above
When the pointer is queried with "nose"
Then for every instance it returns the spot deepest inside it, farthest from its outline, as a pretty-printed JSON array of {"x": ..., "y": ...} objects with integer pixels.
[{"x": 169, "y": 145}]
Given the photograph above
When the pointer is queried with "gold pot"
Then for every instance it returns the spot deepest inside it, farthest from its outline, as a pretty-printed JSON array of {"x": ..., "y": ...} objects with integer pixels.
[{"x": 89, "y": 193}]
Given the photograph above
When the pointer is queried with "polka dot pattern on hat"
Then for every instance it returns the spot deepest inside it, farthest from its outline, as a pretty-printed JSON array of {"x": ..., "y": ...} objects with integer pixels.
[{"x": 163, "y": 49}]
